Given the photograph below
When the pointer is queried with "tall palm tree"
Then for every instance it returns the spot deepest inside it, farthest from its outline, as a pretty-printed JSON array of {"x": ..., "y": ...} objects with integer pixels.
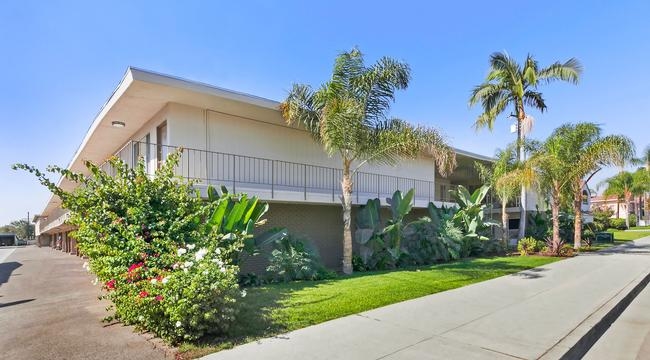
[
  {"x": 348, "y": 116},
  {"x": 509, "y": 84},
  {"x": 584, "y": 153}
]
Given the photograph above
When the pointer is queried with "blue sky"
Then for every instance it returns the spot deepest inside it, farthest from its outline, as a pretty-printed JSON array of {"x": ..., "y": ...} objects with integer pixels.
[{"x": 62, "y": 59}]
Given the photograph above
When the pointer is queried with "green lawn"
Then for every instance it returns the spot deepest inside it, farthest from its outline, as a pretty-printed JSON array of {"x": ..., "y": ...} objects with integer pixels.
[
  {"x": 277, "y": 308},
  {"x": 640, "y": 228},
  {"x": 622, "y": 235}
]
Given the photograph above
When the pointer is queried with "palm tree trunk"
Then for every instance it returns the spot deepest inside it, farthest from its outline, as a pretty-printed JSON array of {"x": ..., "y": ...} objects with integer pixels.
[
  {"x": 346, "y": 186},
  {"x": 577, "y": 223},
  {"x": 504, "y": 223},
  {"x": 521, "y": 116},
  {"x": 555, "y": 217},
  {"x": 627, "y": 212}
]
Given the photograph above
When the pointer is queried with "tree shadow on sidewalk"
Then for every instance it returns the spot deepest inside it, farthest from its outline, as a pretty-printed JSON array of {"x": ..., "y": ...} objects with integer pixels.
[
  {"x": 18, "y": 302},
  {"x": 6, "y": 269}
]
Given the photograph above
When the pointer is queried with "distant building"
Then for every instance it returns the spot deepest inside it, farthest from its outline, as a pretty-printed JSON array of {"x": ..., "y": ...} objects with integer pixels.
[{"x": 613, "y": 203}]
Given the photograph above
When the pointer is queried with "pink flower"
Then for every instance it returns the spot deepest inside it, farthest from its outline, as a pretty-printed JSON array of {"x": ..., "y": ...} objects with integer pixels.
[
  {"x": 143, "y": 294},
  {"x": 159, "y": 298}
]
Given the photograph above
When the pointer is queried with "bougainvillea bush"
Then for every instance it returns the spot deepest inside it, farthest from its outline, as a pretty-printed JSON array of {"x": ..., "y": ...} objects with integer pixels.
[{"x": 166, "y": 257}]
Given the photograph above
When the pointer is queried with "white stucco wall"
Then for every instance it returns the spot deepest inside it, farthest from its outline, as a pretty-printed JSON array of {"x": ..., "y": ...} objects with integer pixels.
[{"x": 219, "y": 132}]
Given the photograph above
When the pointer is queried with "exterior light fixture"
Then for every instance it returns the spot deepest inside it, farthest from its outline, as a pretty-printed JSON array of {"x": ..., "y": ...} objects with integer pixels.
[{"x": 118, "y": 124}]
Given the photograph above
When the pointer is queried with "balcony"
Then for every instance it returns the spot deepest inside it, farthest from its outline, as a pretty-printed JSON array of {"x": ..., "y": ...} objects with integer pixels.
[{"x": 272, "y": 179}]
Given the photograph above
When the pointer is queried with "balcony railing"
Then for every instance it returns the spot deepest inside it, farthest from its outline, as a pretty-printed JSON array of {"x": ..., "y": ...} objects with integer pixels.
[{"x": 273, "y": 179}]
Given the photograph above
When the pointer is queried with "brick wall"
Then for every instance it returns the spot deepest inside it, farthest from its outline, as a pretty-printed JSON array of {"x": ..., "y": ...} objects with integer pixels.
[{"x": 320, "y": 225}]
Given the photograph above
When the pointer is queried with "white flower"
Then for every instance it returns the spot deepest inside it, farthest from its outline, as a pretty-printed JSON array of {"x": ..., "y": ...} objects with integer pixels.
[
  {"x": 165, "y": 280},
  {"x": 178, "y": 324},
  {"x": 175, "y": 266},
  {"x": 205, "y": 272},
  {"x": 188, "y": 264},
  {"x": 181, "y": 251},
  {"x": 153, "y": 281},
  {"x": 191, "y": 246},
  {"x": 218, "y": 262},
  {"x": 141, "y": 318},
  {"x": 85, "y": 265},
  {"x": 217, "y": 251},
  {"x": 243, "y": 293},
  {"x": 184, "y": 270},
  {"x": 95, "y": 281},
  {"x": 222, "y": 269},
  {"x": 200, "y": 254}
]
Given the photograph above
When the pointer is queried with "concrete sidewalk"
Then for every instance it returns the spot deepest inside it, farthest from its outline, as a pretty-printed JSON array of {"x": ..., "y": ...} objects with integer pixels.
[
  {"x": 49, "y": 310},
  {"x": 538, "y": 313},
  {"x": 629, "y": 337}
]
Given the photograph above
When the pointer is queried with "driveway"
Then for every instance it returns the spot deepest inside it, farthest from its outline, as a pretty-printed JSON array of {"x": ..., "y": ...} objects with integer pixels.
[
  {"x": 49, "y": 310},
  {"x": 538, "y": 313}
]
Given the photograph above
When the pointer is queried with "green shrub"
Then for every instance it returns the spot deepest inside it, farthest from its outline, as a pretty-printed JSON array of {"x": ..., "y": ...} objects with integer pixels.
[
  {"x": 250, "y": 279},
  {"x": 527, "y": 245},
  {"x": 167, "y": 259},
  {"x": 602, "y": 218},
  {"x": 291, "y": 259},
  {"x": 589, "y": 233},
  {"x": 632, "y": 220},
  {"x": 566, "y": 250},
  {"x": 617, "y": 223},
  {"x": 358, "y": 264}
]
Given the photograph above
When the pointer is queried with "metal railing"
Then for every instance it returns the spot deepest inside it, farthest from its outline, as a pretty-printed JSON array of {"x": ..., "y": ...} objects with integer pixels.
[{"x": 276, "y": 177}]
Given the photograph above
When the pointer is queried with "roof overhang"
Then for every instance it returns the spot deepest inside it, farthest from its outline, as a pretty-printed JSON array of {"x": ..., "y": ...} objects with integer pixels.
[{"x": 140, "y": 96}]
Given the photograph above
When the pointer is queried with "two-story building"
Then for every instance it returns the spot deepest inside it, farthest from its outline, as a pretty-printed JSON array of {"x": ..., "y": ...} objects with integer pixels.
[{"x": 241, "y": 141}]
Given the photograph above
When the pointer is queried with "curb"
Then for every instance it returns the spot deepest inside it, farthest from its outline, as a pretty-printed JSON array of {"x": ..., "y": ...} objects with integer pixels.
[{"x": 584, "y": 344}]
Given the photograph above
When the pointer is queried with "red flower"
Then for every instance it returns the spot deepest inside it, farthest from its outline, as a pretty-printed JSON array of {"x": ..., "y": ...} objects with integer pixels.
[
  {"x": 110, "y": 284},
  {"x": 159, "y": 298},
  {"x": 143, "y": 294},
  {"x": 135, "y": 266}
]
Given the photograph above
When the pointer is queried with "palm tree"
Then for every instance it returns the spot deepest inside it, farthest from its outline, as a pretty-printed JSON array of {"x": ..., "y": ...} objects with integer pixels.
[
  {"x": 510, "y": 84},
  {"x": 585, "y": 152},
  {"x": 645, "y": 161},
  {"x": 348, "y": 116},
  {"x": 505, "y": 177},
  {"x": 548, "y": 160},
  {"x": 626, "y": 185}
]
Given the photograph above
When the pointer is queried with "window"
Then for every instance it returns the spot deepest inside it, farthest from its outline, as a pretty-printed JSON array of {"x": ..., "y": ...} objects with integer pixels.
[
  {"x": 513, "y": 224},
  {"x": 162, "y": 143}
]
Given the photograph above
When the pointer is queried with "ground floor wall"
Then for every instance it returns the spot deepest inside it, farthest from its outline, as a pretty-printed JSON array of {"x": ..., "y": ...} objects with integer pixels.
[{"x": 321, "y": 226}]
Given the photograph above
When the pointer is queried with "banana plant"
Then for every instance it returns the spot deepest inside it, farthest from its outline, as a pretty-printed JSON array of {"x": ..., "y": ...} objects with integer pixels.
[
  {"x": 400, "y": 206},
  {"x": 369, "y": 232},
  {"x": 470, "y": 216}
]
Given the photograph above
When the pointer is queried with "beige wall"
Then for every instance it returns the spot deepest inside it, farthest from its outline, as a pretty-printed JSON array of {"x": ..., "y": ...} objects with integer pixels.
[{"x": 227, "y": 133}]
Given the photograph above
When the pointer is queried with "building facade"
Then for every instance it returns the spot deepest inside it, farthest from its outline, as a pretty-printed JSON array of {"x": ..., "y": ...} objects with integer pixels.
[{"x": 241, "y": 141}]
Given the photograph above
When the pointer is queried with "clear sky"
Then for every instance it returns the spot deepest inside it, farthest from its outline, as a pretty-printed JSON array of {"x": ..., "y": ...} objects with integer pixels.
[{"x": 60, "y": 61}]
